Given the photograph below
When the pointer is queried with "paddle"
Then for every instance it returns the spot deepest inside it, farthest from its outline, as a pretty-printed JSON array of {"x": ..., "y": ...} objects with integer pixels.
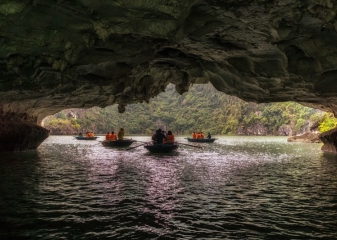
[
  {"x": 190, "y": 145},
  {"x": 136, "y": 146}
]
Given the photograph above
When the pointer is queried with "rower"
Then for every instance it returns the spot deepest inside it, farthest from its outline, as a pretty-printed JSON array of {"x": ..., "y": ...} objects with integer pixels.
[
  {"x": 121, "y": 134},
  {"x": 159, "y": 137}
]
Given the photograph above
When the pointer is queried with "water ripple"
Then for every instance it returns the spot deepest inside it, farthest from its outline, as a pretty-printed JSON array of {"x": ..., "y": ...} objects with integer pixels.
[{"x": 236, "y": 188}]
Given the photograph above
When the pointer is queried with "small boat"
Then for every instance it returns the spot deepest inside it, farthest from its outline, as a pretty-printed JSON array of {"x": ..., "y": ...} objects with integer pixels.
[
  {"x": 162, "y": 148},
  {"x": 204, "y": 140},
  {"x": 85, "y": 138},
  {"x": 118, "y": 143}
]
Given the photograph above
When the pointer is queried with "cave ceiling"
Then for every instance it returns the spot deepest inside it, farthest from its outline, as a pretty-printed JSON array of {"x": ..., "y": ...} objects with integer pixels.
[{"x": 57, "y": 54}]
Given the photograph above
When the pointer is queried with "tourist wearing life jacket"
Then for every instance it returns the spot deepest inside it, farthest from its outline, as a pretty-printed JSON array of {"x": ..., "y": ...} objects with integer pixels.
[
  {"x": 108, "y": 136},
  {"x": 202, "y": 136},
  {"x": 113, "y": 136},
  {"x": 87, "y": 134},
  {"x": 194, "y": 135},
  {"x": 170, "y": 138}
]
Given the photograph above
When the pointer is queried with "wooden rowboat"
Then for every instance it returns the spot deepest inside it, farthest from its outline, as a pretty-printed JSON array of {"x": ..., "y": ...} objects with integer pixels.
[
  {"x": 204, "y": 140},
  {"x": 118, "y": 143},
  {"x": 162, "y": 148},
  {"x": 85, "y": 138}
]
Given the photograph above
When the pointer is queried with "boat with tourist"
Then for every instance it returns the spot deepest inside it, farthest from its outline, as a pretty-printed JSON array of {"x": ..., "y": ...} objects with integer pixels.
[
  {"x": 201, "y": 140},
  {"x": 118, "y": 143},
  {"x": 161, "y": 148},
  {"x": 88, "y": 136},
  {"x": 85, "y": 138}
]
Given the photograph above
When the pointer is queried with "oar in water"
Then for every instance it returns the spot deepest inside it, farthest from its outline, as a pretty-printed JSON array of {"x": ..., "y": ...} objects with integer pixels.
[
  {"x": 190, "y": 145},
  {"x": 136, "y": 146}
]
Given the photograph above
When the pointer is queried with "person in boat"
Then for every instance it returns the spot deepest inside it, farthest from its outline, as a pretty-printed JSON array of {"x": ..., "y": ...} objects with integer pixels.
[
  {"x": 202, "y": 136},
  {"x": 87, "y": 134},
  {"x": 108, "y": 136},
  {"x": 165, "y": 133},
  {"x": 159, "y": 138},
  {"x": 121, "y": 134},
  {"x": 153, "y": 137},
  {"x": 170, "y": 137},
  {"x": 113, "y": 136},
  {"x": 194, "y": 135},
  {"x": 80, "y": 134},
  {"x": 209, "y": 136}
]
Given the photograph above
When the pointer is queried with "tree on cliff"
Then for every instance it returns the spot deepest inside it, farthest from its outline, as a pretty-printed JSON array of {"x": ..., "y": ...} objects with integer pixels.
[{"x": 201, "y": 109}]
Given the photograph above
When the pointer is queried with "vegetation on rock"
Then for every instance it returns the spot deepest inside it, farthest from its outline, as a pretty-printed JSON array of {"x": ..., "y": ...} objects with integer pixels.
[
  {"x": 327, "y": 123},
  {"x": 202, "y": 108}
]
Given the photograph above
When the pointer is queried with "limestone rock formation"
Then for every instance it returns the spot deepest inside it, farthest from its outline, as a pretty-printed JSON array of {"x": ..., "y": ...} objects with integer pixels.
[
  {"x": 306, "y": 138},
  {"x": 20, "y": 136},
  {"x": 329, "y": 139},
  {"x": 58, "y": 54}
]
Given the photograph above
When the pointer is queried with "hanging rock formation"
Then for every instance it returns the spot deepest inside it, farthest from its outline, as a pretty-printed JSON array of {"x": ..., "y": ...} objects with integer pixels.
[
  {"x": 329, "y": 140},
  {"x": 57, "y": 54}
]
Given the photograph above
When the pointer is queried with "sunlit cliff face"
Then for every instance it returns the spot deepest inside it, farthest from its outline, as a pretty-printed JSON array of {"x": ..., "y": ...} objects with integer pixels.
[{"x": 58, "y": 54}]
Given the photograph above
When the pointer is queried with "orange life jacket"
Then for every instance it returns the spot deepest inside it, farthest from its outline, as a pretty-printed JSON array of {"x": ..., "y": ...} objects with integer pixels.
[
  {"x": 194, "y": 135},
  {"x": 108, "y": 136},
  {"x": 170, "y": 138},
  {"x": 113, "y": 137}
]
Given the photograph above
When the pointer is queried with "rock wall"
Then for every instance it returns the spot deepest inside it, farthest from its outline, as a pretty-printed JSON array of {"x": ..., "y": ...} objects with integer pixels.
[
  {"x": 65, "y": 54},
  {"x": 329, "y": 140},
  {"x": 58, "y": 54},
  {"x": 20, "y": 136}
]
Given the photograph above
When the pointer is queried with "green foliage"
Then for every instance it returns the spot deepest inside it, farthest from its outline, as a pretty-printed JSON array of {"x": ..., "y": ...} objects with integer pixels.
[
  {"x": 329, "y": 122},
  {"x": 60, "y": 115},
  {"x": 201, "y": 109}
]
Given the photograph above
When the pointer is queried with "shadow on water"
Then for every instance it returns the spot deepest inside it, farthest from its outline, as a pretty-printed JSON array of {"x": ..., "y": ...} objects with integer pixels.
[
  {"x": 19, "y": 184},
  {"x": 162, "y": 155},
  {"x": 331, "y": 157}
]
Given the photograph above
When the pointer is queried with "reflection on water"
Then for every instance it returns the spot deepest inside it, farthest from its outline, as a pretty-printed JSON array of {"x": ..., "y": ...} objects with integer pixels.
[{"x": 237, "y": 187}]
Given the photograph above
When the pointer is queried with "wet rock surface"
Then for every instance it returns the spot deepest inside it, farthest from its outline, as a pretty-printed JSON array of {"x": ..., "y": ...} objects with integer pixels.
[
  {"x": 65, "y": 54},
  {"x": 307, "y": 138},
  {"x": 329, "y": 140},
  {"x": 58, "y": 54},
  {"x": 21, "y": 136}
]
